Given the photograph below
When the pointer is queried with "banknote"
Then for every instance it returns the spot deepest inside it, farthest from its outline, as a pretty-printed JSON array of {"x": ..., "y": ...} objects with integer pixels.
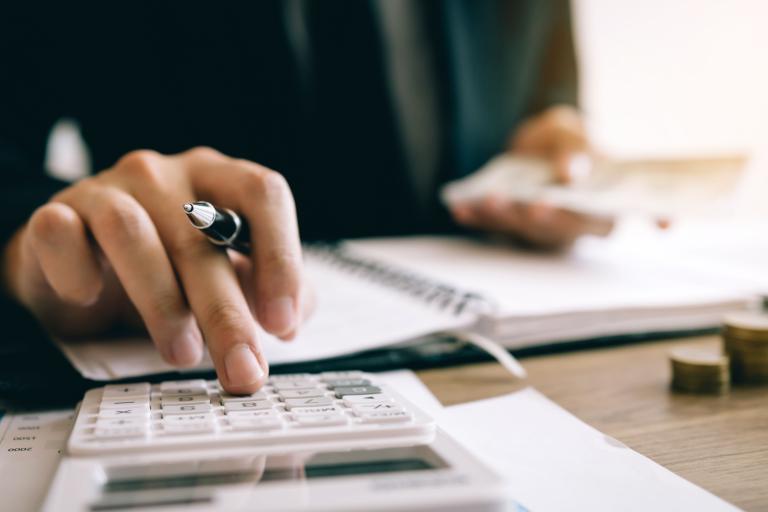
[{"x": 662, "y": 188}]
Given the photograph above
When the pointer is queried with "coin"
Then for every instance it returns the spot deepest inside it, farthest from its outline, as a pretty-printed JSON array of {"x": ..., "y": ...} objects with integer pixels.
[{"x": 699, "y": 371}]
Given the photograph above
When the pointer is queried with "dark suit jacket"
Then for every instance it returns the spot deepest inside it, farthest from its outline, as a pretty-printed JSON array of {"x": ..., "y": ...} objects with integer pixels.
[{"x": 172, "y": 75}]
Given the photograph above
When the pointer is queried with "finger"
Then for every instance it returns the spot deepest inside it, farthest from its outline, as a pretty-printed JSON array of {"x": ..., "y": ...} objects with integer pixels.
[
  {"x": 59, "y": 240},
  {"x": 264, "y": 197},
  {"x": 571, "y": 166},
  {"x": 131, "y": 244},
  {"x": 208, "y": 279}
]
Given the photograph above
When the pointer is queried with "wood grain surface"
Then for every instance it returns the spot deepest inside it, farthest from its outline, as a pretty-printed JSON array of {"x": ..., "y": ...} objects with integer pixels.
[{"x": 718, "y": 442}]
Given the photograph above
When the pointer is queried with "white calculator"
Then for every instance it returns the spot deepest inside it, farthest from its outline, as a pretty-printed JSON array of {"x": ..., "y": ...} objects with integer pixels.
[{"x": 328, "y": 442}]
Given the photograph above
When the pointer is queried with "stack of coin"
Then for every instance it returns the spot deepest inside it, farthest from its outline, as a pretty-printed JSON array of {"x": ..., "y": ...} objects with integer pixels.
[
  {"x": 699, "y": 371},
  {"x": 745, "y": 339}
]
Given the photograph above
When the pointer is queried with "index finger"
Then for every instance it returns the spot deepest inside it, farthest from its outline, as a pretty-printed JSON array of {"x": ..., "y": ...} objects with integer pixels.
[{"x": 264, "y": 198}]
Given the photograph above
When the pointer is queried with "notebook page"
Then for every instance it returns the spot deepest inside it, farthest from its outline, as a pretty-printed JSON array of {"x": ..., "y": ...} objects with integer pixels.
[
  {"x": 590, "y": 278},
  {"x": 353, "y": 314}
]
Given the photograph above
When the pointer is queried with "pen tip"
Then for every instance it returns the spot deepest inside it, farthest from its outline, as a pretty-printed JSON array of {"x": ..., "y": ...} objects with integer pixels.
[{"x": 188, "y": 207}]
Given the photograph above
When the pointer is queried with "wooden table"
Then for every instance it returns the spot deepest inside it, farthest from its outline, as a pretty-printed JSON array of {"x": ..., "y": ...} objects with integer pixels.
[{"x": 717, "y": 442}]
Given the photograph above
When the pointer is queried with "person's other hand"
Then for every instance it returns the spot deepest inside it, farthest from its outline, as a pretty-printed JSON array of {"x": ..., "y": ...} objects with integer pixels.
[
  {"x": 116, "y": 250},
  {"x": 557, "y": 135}
]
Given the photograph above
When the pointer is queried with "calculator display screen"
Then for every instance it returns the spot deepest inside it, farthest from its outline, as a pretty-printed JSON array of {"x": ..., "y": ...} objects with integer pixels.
[{"x": 262, "y": 470}]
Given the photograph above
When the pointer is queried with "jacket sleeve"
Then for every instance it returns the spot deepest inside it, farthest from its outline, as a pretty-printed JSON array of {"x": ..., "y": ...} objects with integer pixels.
[{"x": 557, "y": 81}]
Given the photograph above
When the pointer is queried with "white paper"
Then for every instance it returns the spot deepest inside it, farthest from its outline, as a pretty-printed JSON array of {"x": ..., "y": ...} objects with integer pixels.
[
  {"x": 553, "y": 461},
  {"x": 31, "y": 445},
  {"x": 654, "y": 188},
  {"x": 639, "y": 280}
]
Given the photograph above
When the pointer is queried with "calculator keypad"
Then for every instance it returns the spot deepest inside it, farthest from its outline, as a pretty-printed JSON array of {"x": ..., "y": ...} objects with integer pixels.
[{"x": 144, "y": 416}]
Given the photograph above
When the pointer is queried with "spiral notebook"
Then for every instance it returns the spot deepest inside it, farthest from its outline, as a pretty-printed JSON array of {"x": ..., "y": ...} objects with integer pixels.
[{"x": 380, "y": 293}]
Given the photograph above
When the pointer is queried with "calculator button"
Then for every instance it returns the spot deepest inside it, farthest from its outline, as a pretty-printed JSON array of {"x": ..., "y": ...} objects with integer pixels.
[
  {"x": 375, "y": 407},
  {"x": 120, "y": 422},
  {"x": 356, "y": 390},
  {"x": 322, "y": 420},
  {"x": 247, "y": 406},
  {"x": 193, "y": 387},
  {"x": 186, "y": 409},
  {"x": 188, "y": 428},
  {"x": 326, "y": 376},
  {"x": 126, "y": 390},
  {"x": 385, "y": 417},
  {"x": 290, "y": 376},
  {"x": 291, "y": 403},
  {"x": 128, "y": 412},
  {"x": 188, "y": 424},
  {"x": 259, "y": 395},
  {"x": 310, "y": 411},
  {"x": 184, "y": 399},
  {"x": 122, "y": 403},
  {"x": 251, "y": 414},
  {"x": 346, "y": 383},
  {"x": 301, "y": 393},
  {"x": 281, "y": 385},
  {"x": 120, "y": 432},
  {"x": 257, "y": 424},
  {"x": 363, "y": 399}
]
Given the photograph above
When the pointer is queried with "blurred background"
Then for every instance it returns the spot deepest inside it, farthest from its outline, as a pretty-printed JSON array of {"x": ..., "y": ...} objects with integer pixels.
[
  {"x": 659, "y": 79},
  {"x": 682, "y": 78}
]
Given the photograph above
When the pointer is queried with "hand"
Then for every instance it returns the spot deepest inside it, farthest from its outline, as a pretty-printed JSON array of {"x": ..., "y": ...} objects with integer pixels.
[
  {"x": 559, "y": 136},
  {"x": 116, "y": 250}
]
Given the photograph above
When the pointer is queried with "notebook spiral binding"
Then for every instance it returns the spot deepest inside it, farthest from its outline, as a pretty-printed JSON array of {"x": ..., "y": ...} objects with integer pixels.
[{"x": 441, "y": 295}]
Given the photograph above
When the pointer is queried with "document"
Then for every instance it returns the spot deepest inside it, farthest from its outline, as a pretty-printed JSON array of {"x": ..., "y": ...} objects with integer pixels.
[
  {"x": 31, "y": 445},
  {"x": 553, "y": 461},
  {"x": 660, "y": 188}
]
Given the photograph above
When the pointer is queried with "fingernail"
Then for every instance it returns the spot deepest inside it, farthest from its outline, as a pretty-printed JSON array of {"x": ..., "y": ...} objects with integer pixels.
[
  {"x": 579, "y": 167},
  {"x": 280, "y": 315},
  {"x": 187, "y": 350},
  {"x": 242, "y": 367}
]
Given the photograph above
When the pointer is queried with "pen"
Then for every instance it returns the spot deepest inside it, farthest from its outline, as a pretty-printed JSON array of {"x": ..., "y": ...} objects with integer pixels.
[{"x": 222, "y": 226}]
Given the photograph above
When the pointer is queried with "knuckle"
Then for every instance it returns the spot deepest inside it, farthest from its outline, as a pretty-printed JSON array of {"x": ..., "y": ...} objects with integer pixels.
[
  {"x": 121, "y": 218},
  {"x": 226, "y": 321},
  {"x": 50, "y": 219},
  {"x": 186, "y": 244},
  {"x": 204, "y": 153},
  {"x": 282, "y": 259},
  {"x": 142, "y": 164},
  {"x": 265, "y": 184},
  {"x": 166, "y": 304}
]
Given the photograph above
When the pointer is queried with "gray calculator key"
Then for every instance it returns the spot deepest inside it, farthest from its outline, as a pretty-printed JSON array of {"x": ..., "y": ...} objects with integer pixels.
[
  {"x": 356, "y": 390},
  {"x": 317, "y": 401},
  {"x": 248, "y": 406},
  {"x": 346, "y": 383},
  {"x": 301, "y": 393}
]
